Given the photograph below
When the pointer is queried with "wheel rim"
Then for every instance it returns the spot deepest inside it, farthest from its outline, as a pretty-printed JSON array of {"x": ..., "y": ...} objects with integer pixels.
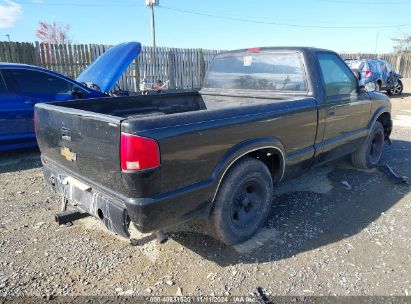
[
  {"x": 376, "y": 148},
  {"x": 397, "y": 89},
  {"x": 247, "y": 202}
]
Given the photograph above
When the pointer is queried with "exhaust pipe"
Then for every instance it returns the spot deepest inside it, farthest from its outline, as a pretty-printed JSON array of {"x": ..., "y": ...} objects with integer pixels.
[{"x": 69, "y": 216}]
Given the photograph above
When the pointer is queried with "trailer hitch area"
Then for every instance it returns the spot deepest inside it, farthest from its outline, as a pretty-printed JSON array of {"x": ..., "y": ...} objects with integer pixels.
[{"x": 69, "y": 216}]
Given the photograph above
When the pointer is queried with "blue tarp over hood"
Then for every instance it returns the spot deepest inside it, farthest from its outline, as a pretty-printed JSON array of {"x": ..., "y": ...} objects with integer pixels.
[{"x": 107, "y": 69}]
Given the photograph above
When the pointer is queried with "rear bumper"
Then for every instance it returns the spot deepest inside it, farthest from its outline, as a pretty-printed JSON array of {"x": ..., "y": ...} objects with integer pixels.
[
  {"x": 116, "y": 212},
  {"x": 112, "y": 213}
]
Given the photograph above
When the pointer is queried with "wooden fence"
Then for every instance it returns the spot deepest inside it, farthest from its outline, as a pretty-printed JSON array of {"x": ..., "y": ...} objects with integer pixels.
[{"x": 183, "y": 68}]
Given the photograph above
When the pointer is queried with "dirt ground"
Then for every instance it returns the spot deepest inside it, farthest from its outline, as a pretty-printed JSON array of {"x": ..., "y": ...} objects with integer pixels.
[{"x": 333, "y": 231}]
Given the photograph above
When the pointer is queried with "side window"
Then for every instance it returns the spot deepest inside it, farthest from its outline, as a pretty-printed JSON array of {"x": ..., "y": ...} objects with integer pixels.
[
  {"x": 3, "y": 88},
  {"x": 338, "y": 78},
  {"x": 35, "y": 82}
]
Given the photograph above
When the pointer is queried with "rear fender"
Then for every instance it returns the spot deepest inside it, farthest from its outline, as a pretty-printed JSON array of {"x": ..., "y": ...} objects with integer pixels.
[{"x": 242, "y": 149}]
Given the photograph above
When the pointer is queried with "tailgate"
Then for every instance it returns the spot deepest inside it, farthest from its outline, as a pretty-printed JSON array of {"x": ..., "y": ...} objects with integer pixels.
[{"x": 86, "y": 143}]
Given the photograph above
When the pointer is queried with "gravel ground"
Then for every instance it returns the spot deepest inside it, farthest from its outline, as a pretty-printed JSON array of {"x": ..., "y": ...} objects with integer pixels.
[{"x": 333, "y": 231}]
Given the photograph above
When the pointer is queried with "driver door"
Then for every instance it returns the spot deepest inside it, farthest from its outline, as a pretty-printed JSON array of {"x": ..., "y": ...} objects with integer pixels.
[{"x": 347, "y": 110}]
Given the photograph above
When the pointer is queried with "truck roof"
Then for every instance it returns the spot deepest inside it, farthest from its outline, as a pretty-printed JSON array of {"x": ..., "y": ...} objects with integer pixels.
[{"x": 306, "y": 49}]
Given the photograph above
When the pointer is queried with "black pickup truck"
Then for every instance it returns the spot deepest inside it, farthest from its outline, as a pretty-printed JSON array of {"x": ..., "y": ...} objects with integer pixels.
[{"x": 262, "y": 116}]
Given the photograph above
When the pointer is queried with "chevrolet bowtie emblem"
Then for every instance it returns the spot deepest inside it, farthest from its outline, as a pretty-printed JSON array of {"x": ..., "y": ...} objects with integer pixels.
[{"x": 70, "y": 156}]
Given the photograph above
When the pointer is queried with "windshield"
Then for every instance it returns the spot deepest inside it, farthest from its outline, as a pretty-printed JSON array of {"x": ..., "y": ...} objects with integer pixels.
[
  {"x": 257, "y": 71},
  {"x": 355, "y": 64}
]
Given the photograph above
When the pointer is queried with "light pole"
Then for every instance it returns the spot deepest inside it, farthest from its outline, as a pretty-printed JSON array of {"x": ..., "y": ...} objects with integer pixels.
[
  {"x": 8, "y": 36},
  {"x": 376, "y": 44},
  {"x": 151, "y": 4}
]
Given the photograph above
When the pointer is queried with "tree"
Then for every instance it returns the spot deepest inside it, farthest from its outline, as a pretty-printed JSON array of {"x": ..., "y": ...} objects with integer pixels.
[
  {"x": 53, "y": 33},
  {"x": 402, "y": 44}
]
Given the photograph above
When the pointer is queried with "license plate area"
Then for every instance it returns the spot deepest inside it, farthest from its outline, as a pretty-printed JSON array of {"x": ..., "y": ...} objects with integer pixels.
[
  {"x": 79, "y": 194},
  {"x": 80, "y": 197}
]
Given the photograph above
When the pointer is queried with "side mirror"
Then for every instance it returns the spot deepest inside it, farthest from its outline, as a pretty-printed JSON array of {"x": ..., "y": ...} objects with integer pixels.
[{"x": 77, "y": 92}]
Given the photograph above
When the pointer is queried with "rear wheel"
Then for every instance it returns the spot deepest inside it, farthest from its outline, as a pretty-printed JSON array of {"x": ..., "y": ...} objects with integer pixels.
[
  {"x": 369, "y": 153},
  {"x": 242, "y": 202},
  {"x": 397, "y": 90}
]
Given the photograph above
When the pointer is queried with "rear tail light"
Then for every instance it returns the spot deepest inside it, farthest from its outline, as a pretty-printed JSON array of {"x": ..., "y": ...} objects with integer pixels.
[
  {"x": 138, "y": 153},
  {"x": 368, "y": 73}
]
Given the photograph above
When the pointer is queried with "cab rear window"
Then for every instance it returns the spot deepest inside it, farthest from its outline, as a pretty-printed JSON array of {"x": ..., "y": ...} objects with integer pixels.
[{"x": 257, "y": 71}]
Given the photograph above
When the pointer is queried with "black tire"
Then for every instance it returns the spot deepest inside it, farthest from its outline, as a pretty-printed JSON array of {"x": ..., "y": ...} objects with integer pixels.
[
  {"x": 397, "y": 90},
  {"x": 369, "y": 153},
  {"x": 243, "y": 201}
]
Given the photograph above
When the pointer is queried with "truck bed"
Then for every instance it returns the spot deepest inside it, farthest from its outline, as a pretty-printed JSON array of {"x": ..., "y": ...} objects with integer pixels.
[
  {"x": 181, "y": 123},
  {"x": 142, "y": 105}
]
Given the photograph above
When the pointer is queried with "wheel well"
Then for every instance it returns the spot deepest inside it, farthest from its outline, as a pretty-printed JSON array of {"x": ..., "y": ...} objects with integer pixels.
[
  {"x": 273, "y": 159},
  {"x": 385, "y": 120}
]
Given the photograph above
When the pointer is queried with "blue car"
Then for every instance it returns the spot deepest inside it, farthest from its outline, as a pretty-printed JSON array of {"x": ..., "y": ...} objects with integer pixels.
[
  {"x": 378, "y": 71},
  {"x": 22, "y": 86}
]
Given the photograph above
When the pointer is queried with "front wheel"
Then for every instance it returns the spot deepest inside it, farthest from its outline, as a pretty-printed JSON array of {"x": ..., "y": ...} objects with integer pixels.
[
  {"x": 397, "y": 90},
  {"x": 242, "y": 202},
  {"x": 369, "y": 153}
]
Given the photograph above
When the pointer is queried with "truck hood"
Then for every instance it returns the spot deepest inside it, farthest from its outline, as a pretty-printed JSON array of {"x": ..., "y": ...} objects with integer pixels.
[{"x": 107, "y": 69}]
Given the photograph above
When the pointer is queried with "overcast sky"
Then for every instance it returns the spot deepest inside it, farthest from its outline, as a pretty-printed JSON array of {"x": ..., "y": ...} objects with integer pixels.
[{"x": 340, "y": 25}]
